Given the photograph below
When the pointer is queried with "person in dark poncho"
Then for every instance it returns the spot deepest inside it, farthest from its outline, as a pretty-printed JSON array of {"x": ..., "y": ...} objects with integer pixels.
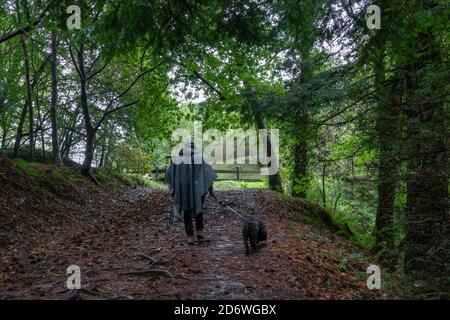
[{"x": 189, "y": 182}]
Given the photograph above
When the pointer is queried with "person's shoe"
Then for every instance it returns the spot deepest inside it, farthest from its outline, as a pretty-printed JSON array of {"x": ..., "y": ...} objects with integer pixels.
[
  {"x": 199, "y": 234},
  {"x": 191, "y": 240}
]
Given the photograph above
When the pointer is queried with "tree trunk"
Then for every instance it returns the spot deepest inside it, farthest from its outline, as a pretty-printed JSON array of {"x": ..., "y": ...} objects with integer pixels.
[
  {"x": 324, "y": 191},
  {"x": 300, "y": 180},
  {"x": 4, "y": 136},
  {"x": 274, "y": 179},
  {"x": 41, "y": 128},
  {"x": 102, "y": 155},
  {"x": 55, "y": 142},
  {"x": 65, "y": 150},
  {"x": 19, "y": 131},
  {"x": 5, "y": 127},
  {"x": 108, "y": 149},
  {"x": 88, "y": 154},
  {"x": 388, "y": 166},
  {"x": 90, "y": 130},
  {"x": 28, "y": 86},
  {"x": 300, "y": 177},
  {"x": 387, "y": 173},
  {"x": 427, "y": 188},
  {"x": 68, "y": 136},
  {"x": 427, "y": 177},
  {"x": 388, "y": 162}
]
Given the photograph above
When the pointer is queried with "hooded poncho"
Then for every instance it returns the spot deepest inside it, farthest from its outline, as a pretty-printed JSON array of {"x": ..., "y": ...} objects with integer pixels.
[{"x": 189, "y": 182}]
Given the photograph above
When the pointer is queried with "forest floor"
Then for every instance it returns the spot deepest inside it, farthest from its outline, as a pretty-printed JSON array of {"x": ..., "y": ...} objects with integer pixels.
[{"x": 50, "y": 219}]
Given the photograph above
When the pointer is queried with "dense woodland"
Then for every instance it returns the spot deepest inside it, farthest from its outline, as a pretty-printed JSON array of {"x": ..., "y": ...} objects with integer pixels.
[{"x": 362, "y": 113}]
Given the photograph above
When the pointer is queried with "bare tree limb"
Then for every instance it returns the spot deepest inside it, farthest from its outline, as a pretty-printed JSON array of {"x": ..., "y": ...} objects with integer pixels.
[
  {"x": 114, "y": 110},
  {"x": 206, "y": 82}
]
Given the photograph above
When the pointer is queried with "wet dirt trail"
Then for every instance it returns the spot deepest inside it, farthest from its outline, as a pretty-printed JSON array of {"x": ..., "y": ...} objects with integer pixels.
[{"x": 119, "y": 234}]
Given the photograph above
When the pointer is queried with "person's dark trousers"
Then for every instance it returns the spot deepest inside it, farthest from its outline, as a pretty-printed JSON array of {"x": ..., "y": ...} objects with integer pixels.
[{"x": 188, "y": 222}]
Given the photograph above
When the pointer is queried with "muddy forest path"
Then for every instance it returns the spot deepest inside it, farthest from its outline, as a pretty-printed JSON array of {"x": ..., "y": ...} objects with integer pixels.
[{"x": 117, "y": 235}]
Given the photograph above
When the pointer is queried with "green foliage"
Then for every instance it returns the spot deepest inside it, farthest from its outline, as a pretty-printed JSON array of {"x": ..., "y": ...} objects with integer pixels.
[
  {"x": 301, "y": 184},
  {"x": 131, "y": 159},
  {"x": 28, "y": 167}
]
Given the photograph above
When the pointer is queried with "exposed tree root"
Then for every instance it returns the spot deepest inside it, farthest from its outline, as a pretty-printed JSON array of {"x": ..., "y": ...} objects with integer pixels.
[{"x": 156, "y": 272}]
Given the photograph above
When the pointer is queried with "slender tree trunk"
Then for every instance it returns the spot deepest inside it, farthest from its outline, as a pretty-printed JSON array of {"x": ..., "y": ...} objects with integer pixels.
[
  {"x": 54, "y": 62},
  {"x": 5, "y": 127},
  {"x": 300, "y": 174},
  {"x": 102, "y": 156},
  {"x": 28, "y": 86},
  {"x": 109, "y": 147},
  {"x": 19, "y": 131},
  {"x": 67, "y": 145},
  {"x": 324, "y": 191},
  {"x": 274, "y": 179},
  {"x": 5, "y": 131},
  {"x": 68, "y": 136},
  {"x": 41, "y": 127},
  {"x": 89, "y": 154},
  {"x": 90, "y": 130}
]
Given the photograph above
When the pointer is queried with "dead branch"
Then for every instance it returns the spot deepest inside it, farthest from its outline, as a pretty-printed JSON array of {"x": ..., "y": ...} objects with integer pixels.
[
  {"x": 161, "y": 262},
  {"x": 74, "y": 293},
  {"x": 154, "y": 251},
  {"x": 151, "y": 272},
  {"x": 143, "y": 256}
]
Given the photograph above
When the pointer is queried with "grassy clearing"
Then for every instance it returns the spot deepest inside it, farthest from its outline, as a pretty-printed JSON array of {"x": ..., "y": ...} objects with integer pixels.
[
  {"x": 236, "y": 185},
  {"x": 145, "y": 181}
]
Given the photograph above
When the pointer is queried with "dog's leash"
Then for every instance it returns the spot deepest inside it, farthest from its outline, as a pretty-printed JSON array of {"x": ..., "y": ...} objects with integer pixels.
[{"x": 227, "y": 207}]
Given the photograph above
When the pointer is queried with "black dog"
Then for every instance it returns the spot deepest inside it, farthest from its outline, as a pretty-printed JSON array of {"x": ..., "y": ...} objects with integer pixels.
[{"x": 253, "y": 231}]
